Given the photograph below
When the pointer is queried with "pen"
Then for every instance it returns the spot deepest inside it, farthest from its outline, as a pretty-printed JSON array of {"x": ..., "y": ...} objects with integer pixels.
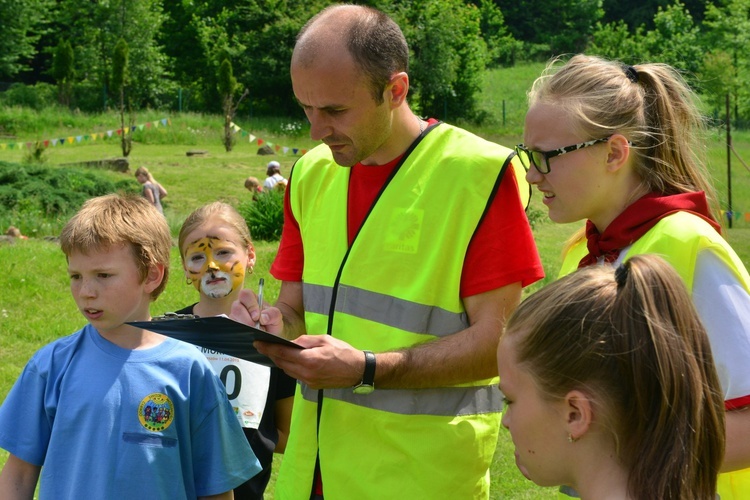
[{"x": 260, "y": 301}]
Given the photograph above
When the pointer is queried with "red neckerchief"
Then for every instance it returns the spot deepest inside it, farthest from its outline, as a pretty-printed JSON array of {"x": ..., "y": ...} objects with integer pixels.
[{"x": 637, "y": 219}]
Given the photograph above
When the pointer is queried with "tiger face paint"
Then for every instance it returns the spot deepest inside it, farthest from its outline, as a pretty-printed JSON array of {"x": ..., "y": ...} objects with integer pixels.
[{"x": 215, "y": 266}]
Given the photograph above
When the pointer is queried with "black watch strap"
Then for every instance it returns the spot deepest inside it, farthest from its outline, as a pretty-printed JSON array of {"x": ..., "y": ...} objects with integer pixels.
[{"x": 368, "y": 377}]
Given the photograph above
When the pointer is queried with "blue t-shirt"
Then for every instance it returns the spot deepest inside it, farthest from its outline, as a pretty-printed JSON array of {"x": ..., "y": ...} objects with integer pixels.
[{"x": 108, "y": 422}]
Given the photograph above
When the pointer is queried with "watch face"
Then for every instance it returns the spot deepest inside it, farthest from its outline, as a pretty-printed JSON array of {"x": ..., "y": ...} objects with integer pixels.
[{"x": 364, "y": 389}]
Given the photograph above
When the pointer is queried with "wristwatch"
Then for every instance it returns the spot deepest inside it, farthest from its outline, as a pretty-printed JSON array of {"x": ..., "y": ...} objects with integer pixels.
[{"x": 368, "y": 378}]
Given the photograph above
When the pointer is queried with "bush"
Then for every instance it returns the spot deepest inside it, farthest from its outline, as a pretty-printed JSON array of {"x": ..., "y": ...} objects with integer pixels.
[
  {"x": 39, "y": 200},
  {"x": 38, "y": 96},
  {"x": 264, "y": 216}
]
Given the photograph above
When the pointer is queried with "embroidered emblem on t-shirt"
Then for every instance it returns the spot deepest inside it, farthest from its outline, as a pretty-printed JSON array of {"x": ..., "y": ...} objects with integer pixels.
[{"x": 156, "y": 412}]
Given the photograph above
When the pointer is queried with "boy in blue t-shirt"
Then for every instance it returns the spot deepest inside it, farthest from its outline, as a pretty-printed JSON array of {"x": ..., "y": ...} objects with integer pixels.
[{"x": 114, "y": 411}]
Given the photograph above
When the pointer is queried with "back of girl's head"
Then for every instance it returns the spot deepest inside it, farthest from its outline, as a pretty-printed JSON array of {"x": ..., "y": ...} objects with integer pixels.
[
  {"x": 115, "y": 219},
  {"x": 144, "y": 171},
  {"x": 223, "y": 211},
  {"x": 650, "y": 104},
  {"x": 632, "y": 341}
]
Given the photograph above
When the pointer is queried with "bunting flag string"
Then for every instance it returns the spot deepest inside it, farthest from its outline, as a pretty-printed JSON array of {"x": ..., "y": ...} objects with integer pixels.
[
  {"x": 260, "y": 141},
  {"x": 61, "y": 141}
]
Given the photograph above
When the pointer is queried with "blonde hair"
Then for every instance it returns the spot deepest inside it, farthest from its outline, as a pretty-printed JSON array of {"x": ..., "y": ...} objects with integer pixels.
[
  {"x": 252, "y": 183},
  {"x": 144, "y": 171},
  {"x": 225, "y": 212},
  {"x": 650, "y": 104},
  {"x": 632, "y": 341},
  {"x": 121, "y": 219}
]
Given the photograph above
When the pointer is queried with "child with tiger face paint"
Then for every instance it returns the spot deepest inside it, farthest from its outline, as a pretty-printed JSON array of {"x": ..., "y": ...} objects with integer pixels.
[
  {"x": 216, "y": 265},
  {"x": 217, "y": 254}
]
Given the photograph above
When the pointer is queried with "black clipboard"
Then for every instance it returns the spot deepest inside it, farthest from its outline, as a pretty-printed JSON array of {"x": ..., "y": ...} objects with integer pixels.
[{"x": 218, "y": 333}]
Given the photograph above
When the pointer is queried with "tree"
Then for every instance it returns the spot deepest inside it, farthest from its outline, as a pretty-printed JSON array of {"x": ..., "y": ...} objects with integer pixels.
[
  {"x": 675, "y": 40},
  {"x": 502, "y": 48},
  {"x": 448, "y": 56},
  {"x": 94, "y": 29},
  {"x": 727, "y": 31},
  {"x": 227, "y": 87},
  {"x": 614, "y": 41},
  {"x": 22, "y": 23},
  {"x": 637, "y": 13},
  {"x": 118, "y": 83},
  {"x": 63, "y": 70},
  {"x": 551, "y": 27}
]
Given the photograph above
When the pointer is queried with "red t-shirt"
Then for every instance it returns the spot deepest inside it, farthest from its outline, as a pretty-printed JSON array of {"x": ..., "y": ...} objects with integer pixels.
[{"x": 502, "y": 251}]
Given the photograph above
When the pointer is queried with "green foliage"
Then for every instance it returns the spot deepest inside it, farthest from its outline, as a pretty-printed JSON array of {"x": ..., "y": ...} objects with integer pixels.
[
  {"x": 674, "y": 40},
  {"x": 120, "y": 59},
  {"x": 551, "y": 27},
  {"x": 227, "y": 83},
  {"x": 22, "y": 23},
  {"x": 35, "y": 155},
  {"x": 502, "y": 48},
  {"x": 614, "y": 41},
  {"x": 46, "y": 196},
  {"x": 448, "y": 59},
  {"x": 726, "y": 66},
  {"x": 264, "y": 216},
  {"x": 574, "y": 24},
  {"x": 63, "y": 70},
  {"x": 38, "y": 96},
  {"x": 94, "y": 29}
]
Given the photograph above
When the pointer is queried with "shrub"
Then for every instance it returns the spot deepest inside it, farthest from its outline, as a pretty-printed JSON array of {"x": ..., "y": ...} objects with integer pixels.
[
  {"x": 265, "y": 216},
  {"x": 39, "y": 199},
  {"x": 38, "y": 96}
]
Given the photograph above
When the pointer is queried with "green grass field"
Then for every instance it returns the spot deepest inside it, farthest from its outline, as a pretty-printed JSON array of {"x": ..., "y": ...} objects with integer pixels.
[{"x": 35, "y": 304}]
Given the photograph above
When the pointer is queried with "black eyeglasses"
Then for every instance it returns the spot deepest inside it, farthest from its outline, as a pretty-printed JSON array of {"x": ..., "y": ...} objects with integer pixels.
[{"x": 540, "y": 159}]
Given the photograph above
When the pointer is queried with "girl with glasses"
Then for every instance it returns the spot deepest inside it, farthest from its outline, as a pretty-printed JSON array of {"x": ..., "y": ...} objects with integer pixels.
[
  {"x": 610, "y": 386},
  {"x": 617, "y": 146}
]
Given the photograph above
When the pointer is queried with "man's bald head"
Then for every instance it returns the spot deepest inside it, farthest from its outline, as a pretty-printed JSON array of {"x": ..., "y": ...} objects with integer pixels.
[{"x": 373, "y": 39}]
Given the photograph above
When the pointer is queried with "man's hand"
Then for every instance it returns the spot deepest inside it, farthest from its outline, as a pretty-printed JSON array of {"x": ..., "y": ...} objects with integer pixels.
[{"x": 326, "y": 363}]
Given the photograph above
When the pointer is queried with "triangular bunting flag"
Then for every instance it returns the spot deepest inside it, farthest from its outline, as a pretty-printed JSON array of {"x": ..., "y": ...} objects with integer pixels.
[
  {"x": 71, "y": 139},
  {"x": 46, "y": 143},
  {"x": 260, "y": 141},
  {"x": 252, "y": 138},
  {"x": 163, "y": 121},
  {"x": 294, "y": 150},
  {"x": 78, "y": 138},
  {"x": 286, "y": 150},
  {"x": 277, "y": 147}
]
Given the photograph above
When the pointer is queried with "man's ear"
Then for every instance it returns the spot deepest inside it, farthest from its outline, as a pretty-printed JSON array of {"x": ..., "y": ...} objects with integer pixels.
[
  {"x": 154, "y": 277},
  {"x": 397, "y": 89},
  {"x": 618, "y": 149},
  {"x": 579, "y": 414}
]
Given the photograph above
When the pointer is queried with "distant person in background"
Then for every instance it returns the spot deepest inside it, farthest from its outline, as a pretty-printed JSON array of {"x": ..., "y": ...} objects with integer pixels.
[
  {"x": 152, "y": 190},
  {"x": 273, "y": 173},
  {"x": 610, "y": 386},
  {"x": 252, "y": 184}
]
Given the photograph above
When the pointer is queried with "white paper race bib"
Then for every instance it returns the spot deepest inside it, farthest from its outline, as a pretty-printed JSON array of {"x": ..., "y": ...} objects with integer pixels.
[{"x": 246, "y": 384}]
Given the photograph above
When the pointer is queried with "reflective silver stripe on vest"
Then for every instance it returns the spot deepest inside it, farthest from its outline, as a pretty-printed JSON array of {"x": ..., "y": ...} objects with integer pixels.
[
  {"x": 441, "y": 401},
  {"x": 384, "y": 309}
]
